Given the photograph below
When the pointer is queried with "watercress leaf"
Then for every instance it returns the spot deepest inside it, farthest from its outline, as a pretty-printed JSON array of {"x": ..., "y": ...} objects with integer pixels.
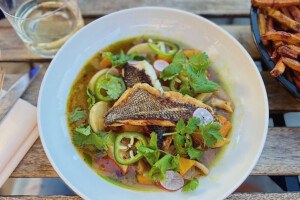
[
  {"x": 151, "y": 155},
  {"x": 195, "y": 154},
  {"x": 180, "y": 126},
  {"x": 77, "y": 114},
  {"x": 192, "y": 125},
  {"x": 191, "y": 185},
  {"x": 171, "y": 71},
  {"x": 91, "y": 98},
  {"x": 158, "y": 170}
]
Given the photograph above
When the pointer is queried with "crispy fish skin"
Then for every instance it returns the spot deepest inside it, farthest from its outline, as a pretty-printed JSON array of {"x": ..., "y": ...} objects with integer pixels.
[{"x": 144, "y": 105}]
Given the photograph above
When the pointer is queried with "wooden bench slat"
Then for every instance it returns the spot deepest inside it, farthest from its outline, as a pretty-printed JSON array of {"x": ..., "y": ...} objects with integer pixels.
[
  {"x": 13, "y": 49},
  {"x": 280, "y": 157},
  {"x": 203, "y": 7},
  {"x": 234, "y": 196}
]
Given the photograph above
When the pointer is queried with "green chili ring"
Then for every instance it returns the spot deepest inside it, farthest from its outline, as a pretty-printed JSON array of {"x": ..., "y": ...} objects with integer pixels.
[
  {"x": 120, "y": 150},
  {"x": 159, "y": 48},
  {"x": 99, "y": 90}
]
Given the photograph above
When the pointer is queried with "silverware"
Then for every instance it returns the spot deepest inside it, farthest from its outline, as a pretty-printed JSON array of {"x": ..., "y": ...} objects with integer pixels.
[{"x": 16, "y": 90}]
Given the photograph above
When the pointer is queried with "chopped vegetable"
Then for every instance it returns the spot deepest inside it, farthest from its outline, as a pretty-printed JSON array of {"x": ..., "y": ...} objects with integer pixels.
[
  {"x": 105, "y": 63},
  {"x": 92, "y": 82},
  {"x": 126, "y": 145},
  {"x": 219, "y": 103},
  {"x": 203, "y": 169},
  {"x": 204, "y": 115},
  {"x": 144, "y": 179},
  {"x": 77, "y": 115},
  {"x": 151, "y": 151},
  {"x": 160, "y": 65},
  {"x": 190, "y": 52},
  {"x": 210, "y": 133},
  {"x": 91, "y": 98},
  {"x": 173, "y": 182},
  {"x": 111, "y": 155},
  {"x": 226, "y": 125},
  {"x": 185, "y": 165},
  {"x": 109, "y": 87},
  {"x": 191, "y": 185}
]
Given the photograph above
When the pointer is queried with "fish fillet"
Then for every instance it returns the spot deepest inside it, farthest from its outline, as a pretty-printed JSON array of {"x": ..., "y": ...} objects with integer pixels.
[
  {"x": 140, "y": 72},
  {"x": 144, "y": 105}
]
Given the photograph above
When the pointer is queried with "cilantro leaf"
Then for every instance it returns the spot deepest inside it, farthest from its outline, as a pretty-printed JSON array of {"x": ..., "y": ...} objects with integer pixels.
[
  {"x": 118, "y": 59},
  {"x": 77, "y": 114},
  {"x": 83, "y": 136},
  {"x": 203, "y": 85},
  {"x": 151, "y": 155},
  {"x": 191, "y": 185},
  {"x": 195, "y": 154},
  {"x": 113, "y": 87},
  {"x": 180, "y": 126},
  {"x": 153, "y": 141},
  {"x": 150, "y": 152},
  {"x": 180, "y": 143},
  {"x": 210, "y": 133},
  {"x": 200, "y": 61},
  {"x": 192, "y": 125},
  {"x": 179, "y": 58},
  {"x": 158, "y": 171},
  {"x": 185, "y": 88},
  {"x": 91, "y": 99},
  {"x": 171, "y": 71},
  {"x": 83, "y": 130}
]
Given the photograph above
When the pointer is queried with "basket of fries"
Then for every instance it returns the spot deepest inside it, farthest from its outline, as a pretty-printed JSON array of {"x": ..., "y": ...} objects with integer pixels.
[{"x": 275, "y": 26}]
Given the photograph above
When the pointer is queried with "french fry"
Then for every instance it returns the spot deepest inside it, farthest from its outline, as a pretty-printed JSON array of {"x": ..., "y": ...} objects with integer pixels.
[
  {"x": 262, "y": 25},
  {"x": 278, "y": 44},
  {"x": 282, "y": 36},
  {"x": 295, "y": 12},
  {"x": 295, "y": 48},
  {"x": 270, "y": 25},
  {"x": 293, "y": 64},
  {"x": 286, "y": 12},
  {"x": 275, "y": 3},
  {"x": 278, "y": 69},
  {"x": 285, "y": 51},
  {"x": 284, "y": 20}
]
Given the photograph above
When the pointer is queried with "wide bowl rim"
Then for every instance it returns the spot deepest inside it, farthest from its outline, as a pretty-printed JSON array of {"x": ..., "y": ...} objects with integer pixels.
[
  {"x": 290, "y": 87},
  {"x": 261, "y": 85}
]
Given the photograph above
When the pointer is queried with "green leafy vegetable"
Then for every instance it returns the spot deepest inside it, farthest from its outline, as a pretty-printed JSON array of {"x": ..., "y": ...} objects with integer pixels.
[
  {"x": 210, "y": 133},
  {"x": 151, "y": 151},
  {"x": 77, "y": 114},
  {"x": 194, "y": 71},
  {"x": 168, "y": 162},
  {"x": 191, "y": 185},
  {"x": 91, "y": 99},
  {"x": 84, "y": 136},
  {"x": 118, "y": 59},
  {"x": 194, "y": 154},
  {"x": 113, "y": 88}
]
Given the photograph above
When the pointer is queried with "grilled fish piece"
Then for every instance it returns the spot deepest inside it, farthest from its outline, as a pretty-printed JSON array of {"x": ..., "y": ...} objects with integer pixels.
[
  {"x": 144, "y": 105},
  {"x": 140, "y": 72}
]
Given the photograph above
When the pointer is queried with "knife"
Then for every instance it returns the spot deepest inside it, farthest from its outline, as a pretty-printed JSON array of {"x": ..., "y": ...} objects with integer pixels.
[{"x": 16, "y": 90}]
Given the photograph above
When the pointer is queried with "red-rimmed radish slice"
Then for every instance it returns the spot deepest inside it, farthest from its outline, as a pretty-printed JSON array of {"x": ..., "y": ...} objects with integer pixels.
[
  {"x": 204, "y": 115},
  {"x": 173, "y": 182},
  {"x": 160, "y": 65}
]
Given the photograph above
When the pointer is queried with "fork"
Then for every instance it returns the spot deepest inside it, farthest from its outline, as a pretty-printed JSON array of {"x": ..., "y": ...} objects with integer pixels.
[{"x": 2, "y": 74}]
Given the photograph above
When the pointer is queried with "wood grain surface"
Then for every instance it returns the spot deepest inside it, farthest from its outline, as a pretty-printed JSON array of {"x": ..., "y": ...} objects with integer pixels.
[
  {"x": 234, "y": 196},
  {"x": 273, "y": 161},
  {"x": 13, "y": 49},
  {"x": 203, "y": 7}
]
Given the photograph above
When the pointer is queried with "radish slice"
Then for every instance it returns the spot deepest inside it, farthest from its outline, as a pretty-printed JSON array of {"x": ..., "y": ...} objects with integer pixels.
[
  {"x": 204, "y": 115},
  {"x": 173, "y": 182},
  {"x": 160, "y": 65}
]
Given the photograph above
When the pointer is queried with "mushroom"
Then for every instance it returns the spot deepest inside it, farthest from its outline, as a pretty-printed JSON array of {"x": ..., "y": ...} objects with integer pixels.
[
  {"x": 202, "y": 168},
  {"x": 219, "y": 103}
]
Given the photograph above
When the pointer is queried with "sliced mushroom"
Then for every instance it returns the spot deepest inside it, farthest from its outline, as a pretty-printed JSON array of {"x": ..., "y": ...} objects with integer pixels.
[
  {"x": 141, "y": 49},
  {"x": 167, "y": 142},
  {"x": 96, "y": 116},
  {"x": 219, "y": 103},
  {"x": 221, "y": 143},
  {"x": 202, "y": 168},
  {"x": 204, "y": 96}
]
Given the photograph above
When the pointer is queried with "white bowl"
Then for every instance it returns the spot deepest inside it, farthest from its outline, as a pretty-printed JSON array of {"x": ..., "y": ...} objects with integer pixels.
[{"x": 231, "y": 61}]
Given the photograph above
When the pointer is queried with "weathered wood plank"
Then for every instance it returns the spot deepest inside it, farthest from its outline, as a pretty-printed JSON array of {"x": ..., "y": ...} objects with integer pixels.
[
  {"x": 280, "y": 157},
  {"x": 203, "y": 7},
  {"x": 13, "y": 48},
  {"x": 235, "y": 196}
]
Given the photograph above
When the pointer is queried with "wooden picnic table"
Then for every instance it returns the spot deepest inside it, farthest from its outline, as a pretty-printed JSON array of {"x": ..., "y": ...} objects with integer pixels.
[{"x": 280, "y": 156}]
